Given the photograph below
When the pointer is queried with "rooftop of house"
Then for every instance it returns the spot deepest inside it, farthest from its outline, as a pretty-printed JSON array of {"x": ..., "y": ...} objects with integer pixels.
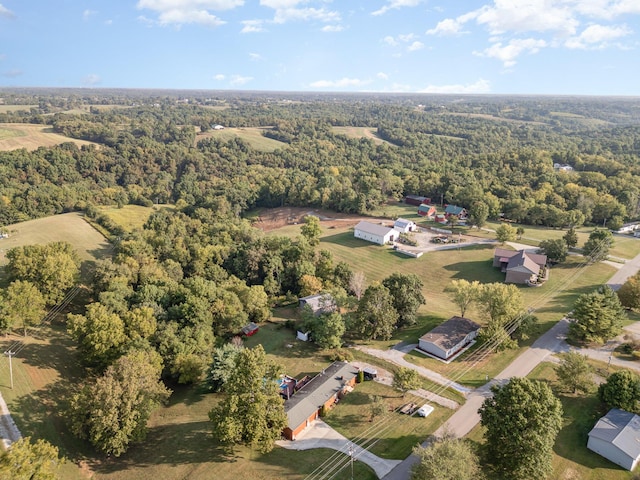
[
  {"x": 450, "y": 333},
  {"x": 521, "y": 260},
  {"x": 402, "y": 222},
  {"x": 319, "y": 302},
  {"x": 373, "y": 228},
  {"x": 620, "y": 428},
  {"x": 453, "y": 210},
  {"x": 317, "y": 391}
]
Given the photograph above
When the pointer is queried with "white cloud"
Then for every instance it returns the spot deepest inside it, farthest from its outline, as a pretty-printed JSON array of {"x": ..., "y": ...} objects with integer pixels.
[
  {"x": 508, "y": 53},
  {"x": 332, "y": 28},
  {"x": 404, "y": 38},
  {"x": 291, "y": 11},
  {"x": 255, "y": 57},
  {"x": 12, "y": 73},
  {"x": 446, "y": 27},
  {"x": 252, "y": 26},
  {"x": 182, "y": 12},
  {"x": 237, "y": 80},
  {"x": 407, "y": 37},
  {"x": 528, "y": 16},
  {"x": 87, "y": 14},
  {"x": 390, "y": 40},
  {"x": 395, "y": 4},
  {"x": 343, "y": 82},
  {"x": 415, "y": 46},
  {"x": 91, "y": 79},
  {"x": 382, "y": 75},
  {"x": 481, "y": 86},
  {"x": 597, "y": 36},
  {"x": 219, "y": 77},
  {"x": 5, "y": 12}
]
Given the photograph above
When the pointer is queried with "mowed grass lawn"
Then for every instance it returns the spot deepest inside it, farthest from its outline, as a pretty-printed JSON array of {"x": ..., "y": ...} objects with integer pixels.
[
  {"x": 23, "y": 135},
  {"x": 68, "y": 227},
  {"x": 131, "y": 217}
]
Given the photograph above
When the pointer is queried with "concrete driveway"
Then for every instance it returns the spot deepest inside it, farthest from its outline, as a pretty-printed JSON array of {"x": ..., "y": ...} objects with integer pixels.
[{"x": 321, "y": 435}]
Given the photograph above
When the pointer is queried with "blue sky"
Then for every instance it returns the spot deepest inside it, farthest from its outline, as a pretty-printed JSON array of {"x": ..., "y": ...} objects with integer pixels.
[{"x": 582, "y": 47}]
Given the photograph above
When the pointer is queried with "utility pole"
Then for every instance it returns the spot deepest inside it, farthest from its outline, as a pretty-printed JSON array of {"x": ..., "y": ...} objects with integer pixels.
[{"x": 9, "y": 353}]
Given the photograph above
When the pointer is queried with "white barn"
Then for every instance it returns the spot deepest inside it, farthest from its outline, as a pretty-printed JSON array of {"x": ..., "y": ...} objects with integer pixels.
[
  {"x": 449, "y": 337},
  {"x": 375, "y": 233},
  {"x": 404, "y": 226},
  {"x": 616, "y": 437}
]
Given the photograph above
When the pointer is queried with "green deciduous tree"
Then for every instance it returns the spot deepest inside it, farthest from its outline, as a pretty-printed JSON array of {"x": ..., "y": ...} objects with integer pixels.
[
  {"x": 327, "y": 330},
  {"x": 621, "y": 390},
  {"x": 597, "y": 316},
  {"x": 311, "y": 230},
  {"x": 22, "y": 306},
  {"x": 571, "y": 237},
  {"x": 113, "y": 411},
  {"x": 505, "y": 233},
  {"x": 377, "y": 407},
  {"x": 406, "y": 295},
  {"x": 629, "y": 293},
  {"x": 463, "y": 293},
  {"x": 27, "y": 460},
  {"x": 574, "y": 373},
  {"x": 222, "y": 365},
  {"x": 100, "y": 334},
  {"x": 522, "y": 420},
  {"x": 555, "y": 250},
  {"x": 446, "y": 458},
  {"x": 478, "y": 214},
  {"x": 376, "y": 317},
  {"x": 598, "y": 245},
  {"x": 252, "y": 413},
  {"x": 406, "y": 379},
  {"x": 52, "y": 268}
]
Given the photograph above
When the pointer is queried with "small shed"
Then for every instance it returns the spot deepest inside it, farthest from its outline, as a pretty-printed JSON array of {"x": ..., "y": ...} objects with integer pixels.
[
  {"x": 250, "y": 329},
  {"x": 616, "y": 437},
  {"x": 424, "y": 411},
  {"x": 449, "y": 337},
  {"x": 428, "y": 211}
]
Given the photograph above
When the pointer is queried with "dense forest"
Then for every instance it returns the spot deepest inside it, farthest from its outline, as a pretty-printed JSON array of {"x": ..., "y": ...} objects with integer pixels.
[{"x": 200, "y": 271}]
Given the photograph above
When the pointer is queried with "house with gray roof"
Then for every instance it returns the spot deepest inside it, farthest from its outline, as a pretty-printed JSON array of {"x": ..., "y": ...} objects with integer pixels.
[
  {"x": 520, "y": 266},
  {"x": 449, "y": 338},
  {"x": 404, "y": 226},
  {"x": 323, "y": 390},
  {"x": 319, "y": 303},
  {"x": 616, "y": 437},
  {"x": 375, "y": 233}
]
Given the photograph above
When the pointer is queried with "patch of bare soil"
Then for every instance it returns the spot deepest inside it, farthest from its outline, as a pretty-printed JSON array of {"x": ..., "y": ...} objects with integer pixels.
[{"x": 274, "y": 218}]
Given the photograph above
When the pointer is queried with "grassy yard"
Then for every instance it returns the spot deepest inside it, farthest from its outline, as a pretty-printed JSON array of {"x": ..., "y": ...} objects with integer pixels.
[
  {"x": 391, "y": 435},
  {"x": 360, "y": 132},
  {"x": 16, "y": 108}
]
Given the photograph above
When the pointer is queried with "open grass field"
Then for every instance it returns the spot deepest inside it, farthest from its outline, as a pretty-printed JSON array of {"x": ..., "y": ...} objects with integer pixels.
[
  {"x": 131, "y": 217},
  {"x": 16, "y": 108},
  {"x": 252, "y": 135},
  {"x": 360, "y": 132},
  {"x": 23, "y": 135},
  {"x": 68, "y": 227}
]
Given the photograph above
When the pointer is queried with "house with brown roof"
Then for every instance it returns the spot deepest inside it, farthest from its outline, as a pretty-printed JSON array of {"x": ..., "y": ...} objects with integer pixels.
[
  {"x": 521, "y": 266},
  {"x": 449, "y": 338},
  {"x": 323, "y": 390}
]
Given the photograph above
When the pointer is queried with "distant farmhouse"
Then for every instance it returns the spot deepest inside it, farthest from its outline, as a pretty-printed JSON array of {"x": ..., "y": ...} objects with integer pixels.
[
  {"x": 520, "y": 266},
  {"x": 455, "y": 211},
  {"x": 449, "y": 338},
  {"x": 218, "y": 127},
  {"x": 416, "y": 200},
  {"x": 629, "y": 228},
  {"x": 404, "y": 226},
  {"x": 428, "y": 211},
  {"x": 616, "y": 437},
  {"x": 319, "y": 303},
  {"x": 375, "y": 233},
  {"x": 323, "y": 390}
]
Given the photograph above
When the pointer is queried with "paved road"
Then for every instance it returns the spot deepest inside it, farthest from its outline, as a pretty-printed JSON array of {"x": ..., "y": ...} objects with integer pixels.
[{"x": 321, "y": 435}]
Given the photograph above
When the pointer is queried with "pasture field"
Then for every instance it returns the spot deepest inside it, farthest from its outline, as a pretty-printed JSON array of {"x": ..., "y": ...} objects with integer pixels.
[
  {"x": 131, "y": 217},
  {"x": 252, "y": 135},
  {"x": 23, "y": 135},
  {"x": 361, "y": 132},
  {"x": 16, "y": 108},
  {"x": 68, "y": 227}
]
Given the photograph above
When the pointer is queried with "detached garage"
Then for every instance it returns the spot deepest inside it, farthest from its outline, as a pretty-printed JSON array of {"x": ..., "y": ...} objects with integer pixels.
[{"x": 616, "y": 437}]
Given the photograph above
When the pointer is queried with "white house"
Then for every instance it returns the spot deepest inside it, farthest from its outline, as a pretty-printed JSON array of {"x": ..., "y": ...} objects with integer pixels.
[
  {"x": 375, "y": 233},
  {"x": 629, "y": 228},
  {"x": 563, "y": 167},
  {"x": 616, "y": 437},
  {"x": 449, "y": 337},
  {"x": 404, "y": 226}
]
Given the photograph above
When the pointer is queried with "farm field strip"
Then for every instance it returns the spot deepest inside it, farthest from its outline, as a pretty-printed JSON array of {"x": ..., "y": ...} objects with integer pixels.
[{"x": 32, "y": 136}]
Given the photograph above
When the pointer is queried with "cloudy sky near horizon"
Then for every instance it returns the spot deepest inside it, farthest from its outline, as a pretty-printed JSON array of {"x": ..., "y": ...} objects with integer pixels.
[{"x": 581, "y": 47}]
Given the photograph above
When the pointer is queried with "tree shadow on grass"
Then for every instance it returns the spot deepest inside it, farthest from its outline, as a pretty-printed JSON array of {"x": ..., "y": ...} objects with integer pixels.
[{"x": 480, "y": 270}]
